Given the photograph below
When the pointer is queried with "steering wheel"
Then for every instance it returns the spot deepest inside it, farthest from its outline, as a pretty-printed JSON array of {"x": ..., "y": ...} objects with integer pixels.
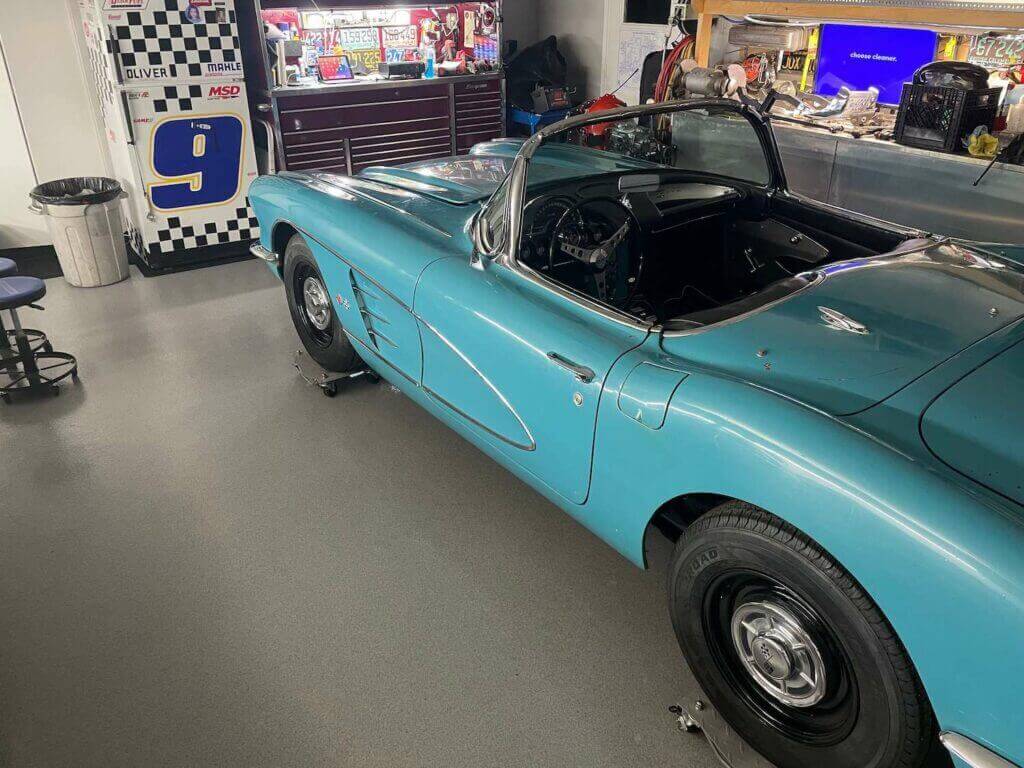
[{"x": 603, "y": 236}]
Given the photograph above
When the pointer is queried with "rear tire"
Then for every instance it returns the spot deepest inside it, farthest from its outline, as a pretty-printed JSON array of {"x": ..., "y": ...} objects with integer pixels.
[
  {"x": 791, "y": 650},
  {"x": 312, "y": 310}
]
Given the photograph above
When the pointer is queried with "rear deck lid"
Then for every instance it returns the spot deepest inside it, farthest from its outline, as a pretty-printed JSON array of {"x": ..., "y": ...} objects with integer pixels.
[
  {"x": 976, "y": 425},
  {"x": 866, "y": 328}
]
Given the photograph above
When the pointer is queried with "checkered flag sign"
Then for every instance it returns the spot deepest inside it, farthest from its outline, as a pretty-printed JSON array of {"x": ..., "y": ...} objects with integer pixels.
[
  {"x": 178, "y": 98},
  {"x": 242, "y": 227},
  {"x": 166, "y": 44}
]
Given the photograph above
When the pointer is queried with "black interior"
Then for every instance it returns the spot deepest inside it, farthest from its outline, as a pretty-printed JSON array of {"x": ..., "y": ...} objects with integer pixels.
[{"x": 697, "y": 253}]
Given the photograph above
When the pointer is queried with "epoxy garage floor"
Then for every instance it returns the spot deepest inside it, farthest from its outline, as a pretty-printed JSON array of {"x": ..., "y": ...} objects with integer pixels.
[{"x": 205, "y": 562}]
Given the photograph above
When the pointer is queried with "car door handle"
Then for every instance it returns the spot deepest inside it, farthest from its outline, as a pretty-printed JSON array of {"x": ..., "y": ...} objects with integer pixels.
[{"x": 580, "y": 372}]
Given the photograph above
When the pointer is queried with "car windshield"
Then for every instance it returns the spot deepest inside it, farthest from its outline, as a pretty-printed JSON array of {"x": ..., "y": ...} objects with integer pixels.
[{"x": 715, "y": 140}]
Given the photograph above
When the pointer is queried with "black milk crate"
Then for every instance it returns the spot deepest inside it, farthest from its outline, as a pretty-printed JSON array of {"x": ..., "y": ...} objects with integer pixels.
[{"x": 940, "y": 118}]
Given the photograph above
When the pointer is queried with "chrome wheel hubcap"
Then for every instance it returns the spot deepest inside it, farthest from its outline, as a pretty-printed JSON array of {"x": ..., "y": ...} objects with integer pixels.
[
  {"x": 779, "y": 654},
  {"x": 318, "y": 305}
]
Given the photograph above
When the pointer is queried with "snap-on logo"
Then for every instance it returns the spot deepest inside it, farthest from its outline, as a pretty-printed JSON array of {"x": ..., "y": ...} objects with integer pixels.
[
  {"x": 225, "y": 91},
  {"x": 703, "y": 560}
]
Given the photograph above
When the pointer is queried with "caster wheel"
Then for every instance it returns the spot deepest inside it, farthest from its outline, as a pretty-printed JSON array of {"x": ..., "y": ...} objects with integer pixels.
[
  {"x": 330, "y": 390},
  {"x": 75, "y": 377},
  {"x": 48, "y": 347},
  {"x": 6, "y": 398}
]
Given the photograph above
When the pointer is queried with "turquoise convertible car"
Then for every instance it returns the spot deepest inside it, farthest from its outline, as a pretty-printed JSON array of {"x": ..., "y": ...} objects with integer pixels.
[{"x": 824, "y": 411}]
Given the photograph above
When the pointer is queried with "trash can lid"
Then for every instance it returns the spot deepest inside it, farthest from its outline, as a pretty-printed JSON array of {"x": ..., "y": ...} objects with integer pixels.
[{"x": 79, "y": 190}]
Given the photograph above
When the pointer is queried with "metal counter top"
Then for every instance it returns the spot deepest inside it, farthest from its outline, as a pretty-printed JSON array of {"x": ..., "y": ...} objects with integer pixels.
[
  {"x": 368, "y": 83},
  {"x": 919, "y": 188},
  {"x": 884, "y": 145}
]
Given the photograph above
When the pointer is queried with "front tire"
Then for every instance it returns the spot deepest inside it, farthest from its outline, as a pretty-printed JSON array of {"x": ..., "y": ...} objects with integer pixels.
[
  {"x": 790, "y": 649},
  {"x": 312, "y": 311}
]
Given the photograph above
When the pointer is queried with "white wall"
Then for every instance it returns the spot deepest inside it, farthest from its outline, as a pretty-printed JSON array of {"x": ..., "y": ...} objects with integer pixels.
[
  {"x": 42, "y": 45},
  {"x": 579, "y": 26},
  {"x": 18, "y": 227},
  {"x": 520, "y": 21}
]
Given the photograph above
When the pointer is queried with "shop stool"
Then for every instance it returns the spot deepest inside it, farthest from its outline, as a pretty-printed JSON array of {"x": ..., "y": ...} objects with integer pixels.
[
  {"x": 26, "y": 369},
  {"x": 37, "y": 339}
]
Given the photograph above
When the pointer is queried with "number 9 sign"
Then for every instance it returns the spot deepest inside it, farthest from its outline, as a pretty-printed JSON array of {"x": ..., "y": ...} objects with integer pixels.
[{"x": 198, "y": 161}]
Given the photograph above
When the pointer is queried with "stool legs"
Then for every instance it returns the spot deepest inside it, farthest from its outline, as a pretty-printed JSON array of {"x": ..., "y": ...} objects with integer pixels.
[
  {"x": 28, "y": 360},
  {"x": 24, "y": 367}
]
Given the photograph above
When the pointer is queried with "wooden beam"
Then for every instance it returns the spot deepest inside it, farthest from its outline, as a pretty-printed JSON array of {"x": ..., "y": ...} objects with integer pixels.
[{"x": 702, "y": 49}]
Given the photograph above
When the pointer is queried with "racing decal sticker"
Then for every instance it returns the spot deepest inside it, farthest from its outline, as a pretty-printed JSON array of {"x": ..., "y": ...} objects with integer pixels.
[{"x": 198, "y": 161}]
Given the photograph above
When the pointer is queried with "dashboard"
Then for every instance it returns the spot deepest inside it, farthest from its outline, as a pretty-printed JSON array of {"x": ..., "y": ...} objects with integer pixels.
[
  {"x": 655, "y": 211},
  {"x": 595, "y": 238}
]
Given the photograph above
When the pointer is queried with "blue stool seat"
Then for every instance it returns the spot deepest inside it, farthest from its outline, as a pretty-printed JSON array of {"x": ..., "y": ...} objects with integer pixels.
[
  {"x": 8, "y": 267},
  {"x": 18, "y": 291}
]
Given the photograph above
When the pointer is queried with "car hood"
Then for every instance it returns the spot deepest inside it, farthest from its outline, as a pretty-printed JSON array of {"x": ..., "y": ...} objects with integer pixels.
[
  {"x": 908, "y": 313},
  {"x": 975, "y": 425},
  {"x": 474, "y": 177}
]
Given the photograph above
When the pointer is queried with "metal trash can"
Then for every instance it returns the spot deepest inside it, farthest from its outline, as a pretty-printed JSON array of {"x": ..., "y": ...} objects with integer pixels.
[{"x": 83, "y": 215}]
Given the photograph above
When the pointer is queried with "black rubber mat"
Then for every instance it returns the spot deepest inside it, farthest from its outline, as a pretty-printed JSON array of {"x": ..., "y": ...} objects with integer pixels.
[{"x": 38, "y": 261}]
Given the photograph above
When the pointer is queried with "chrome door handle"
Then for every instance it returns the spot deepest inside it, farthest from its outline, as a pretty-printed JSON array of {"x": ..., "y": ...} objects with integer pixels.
[{"x": 580, "y": 372}]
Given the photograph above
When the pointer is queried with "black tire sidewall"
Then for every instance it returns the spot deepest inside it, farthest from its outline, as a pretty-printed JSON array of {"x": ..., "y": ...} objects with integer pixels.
[
  {"x": 339, "y": 356},
  {"x": 876, "y": 739}
]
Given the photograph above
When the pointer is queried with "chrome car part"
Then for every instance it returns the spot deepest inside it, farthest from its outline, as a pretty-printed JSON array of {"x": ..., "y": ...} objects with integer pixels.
[
  {"x": 317, "y": 302},
  {"x": 779, "y": 654},
  {"x": 840, "y": 322},
  {"x": 260, "y": 252},
  {"x": 973, "y": 755}
]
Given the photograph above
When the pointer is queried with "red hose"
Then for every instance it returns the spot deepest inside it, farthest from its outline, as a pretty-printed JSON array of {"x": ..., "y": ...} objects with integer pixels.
[{"x": 671, "y": 60}]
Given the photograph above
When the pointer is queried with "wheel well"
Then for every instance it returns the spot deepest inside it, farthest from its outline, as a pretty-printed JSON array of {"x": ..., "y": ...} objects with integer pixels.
[
  {"x": 283, "y": 232},
  {"x": 676, "y": 515}
]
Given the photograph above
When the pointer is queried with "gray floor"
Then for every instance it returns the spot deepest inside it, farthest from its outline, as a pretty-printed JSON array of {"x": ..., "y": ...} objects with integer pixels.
[{"x": 207, "y": 563}]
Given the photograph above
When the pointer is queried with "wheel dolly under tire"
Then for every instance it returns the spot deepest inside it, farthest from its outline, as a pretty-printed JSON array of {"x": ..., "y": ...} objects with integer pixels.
[
  {"x": 328, "y": 381},
  {"x": 696, "y": 715}
]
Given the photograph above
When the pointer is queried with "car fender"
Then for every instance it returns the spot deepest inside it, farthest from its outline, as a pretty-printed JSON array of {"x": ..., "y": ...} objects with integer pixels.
[
  {"x": 368, "y": 231},
  {"x": 942, "y": 561}
]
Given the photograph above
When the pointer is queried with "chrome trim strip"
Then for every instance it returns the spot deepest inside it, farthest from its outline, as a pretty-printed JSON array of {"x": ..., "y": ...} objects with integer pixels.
[
  {"x": 360, "y": 105},
  {"x": 260, "y": 252},
  {"x": 365, "y": 125},
  {"x": 371, "y": 313},
  {"x": 531, "y": 446},
  {"x": 580, "y": 299},
  {"x": 440, "y": 400},
  {"x": 819, "y": 276},
  {"x": 384, "y": 360},
  {"x": 442, "y": 134},
  {"x": 814, "y": 278},
  {"x": 363, "y": 292},
  {"x": 429, "y": 147},
  {"x": 380, "y": 336},
  {"x": 971, "y": 753}
]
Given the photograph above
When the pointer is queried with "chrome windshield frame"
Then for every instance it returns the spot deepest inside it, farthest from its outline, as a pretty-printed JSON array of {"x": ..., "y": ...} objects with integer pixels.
[{"x": 517, "y": 176}]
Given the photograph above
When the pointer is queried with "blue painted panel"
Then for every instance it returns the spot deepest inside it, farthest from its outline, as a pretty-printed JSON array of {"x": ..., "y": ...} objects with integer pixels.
[
  {"x": 646, "y": 392},
  {"x": 977, "y": 426},
  {"x": 501, "y": 328},
  {"x": 905, "y": 305}
]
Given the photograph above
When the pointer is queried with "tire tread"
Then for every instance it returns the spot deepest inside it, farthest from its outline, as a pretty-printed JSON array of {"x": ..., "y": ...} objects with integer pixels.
[{"x": 919, "y": 718}]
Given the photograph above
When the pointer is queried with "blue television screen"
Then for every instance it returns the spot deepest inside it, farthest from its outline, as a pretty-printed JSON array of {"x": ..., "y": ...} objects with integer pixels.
[{"x": 861, "y": 57}]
